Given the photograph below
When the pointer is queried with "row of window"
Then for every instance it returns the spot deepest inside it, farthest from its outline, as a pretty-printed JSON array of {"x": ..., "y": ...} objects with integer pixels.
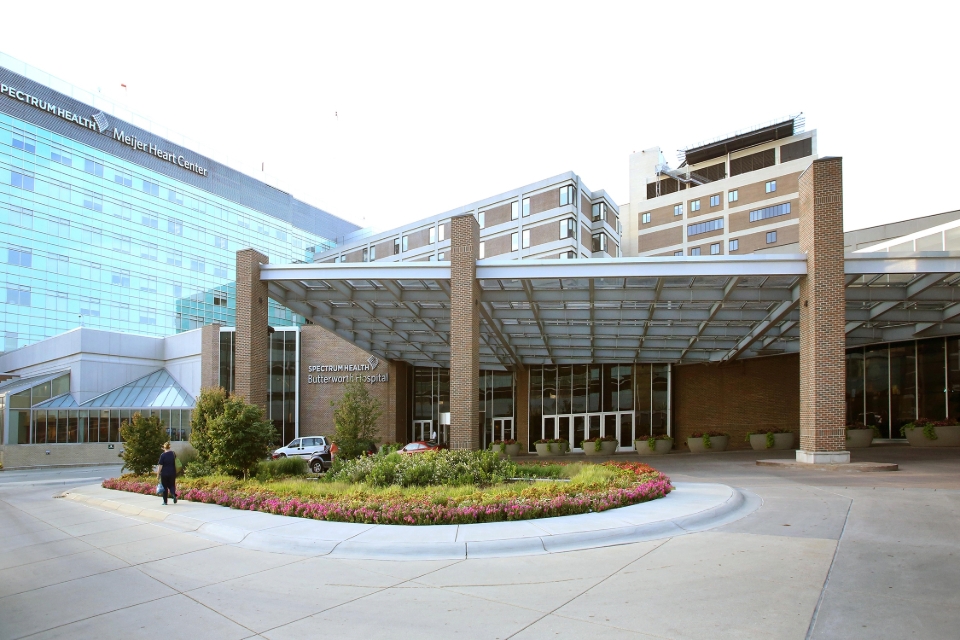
[
  {"x": 732, "y": 246},
  {"x": 732, "y": 196}
]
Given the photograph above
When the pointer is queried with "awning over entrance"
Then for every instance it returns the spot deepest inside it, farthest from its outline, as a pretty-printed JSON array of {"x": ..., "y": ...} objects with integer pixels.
[{"x": 675, "y": 309}]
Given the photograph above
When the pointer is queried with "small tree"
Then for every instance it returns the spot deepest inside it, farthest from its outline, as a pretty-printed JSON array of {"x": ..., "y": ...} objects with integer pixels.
[
  {"x": 355, "y": 418},
  {"x": 238, "y": 438},
  {"x": 143, "y": 440},
  {"x": 209, "y": 406}
]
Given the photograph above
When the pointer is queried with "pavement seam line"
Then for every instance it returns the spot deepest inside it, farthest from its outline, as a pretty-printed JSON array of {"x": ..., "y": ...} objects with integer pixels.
[{"x": 826, "y": 580}]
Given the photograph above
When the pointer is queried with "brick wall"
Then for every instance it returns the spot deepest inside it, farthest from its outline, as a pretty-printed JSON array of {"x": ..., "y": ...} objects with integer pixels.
[
  {"x": 737, "y": 398},
  {"x": 252, "y": 339},
  {"x": 210, "y": 356},
  {"x": 321, "y": 347},
  {"x": 521, "y": 379},
  {"x": 822, "y": 308},
  {"x": 464, "y": 334}
]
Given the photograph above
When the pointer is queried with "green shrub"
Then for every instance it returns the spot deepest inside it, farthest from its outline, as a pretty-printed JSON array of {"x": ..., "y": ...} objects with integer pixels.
[
  {"x": 143, "y": 440},
  {"x": 450, "y": 468},
  {"x": 209, "y": 405},
  {"x": 239, "y": 438},
  {"x": 355, "y": 417},
  {"x": 281, "y": 467},
  {"x": 199, "y": 469}
]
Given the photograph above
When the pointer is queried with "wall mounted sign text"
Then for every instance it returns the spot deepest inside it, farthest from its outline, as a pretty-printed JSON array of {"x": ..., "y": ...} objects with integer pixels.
[{"x": 352, "y": 373}]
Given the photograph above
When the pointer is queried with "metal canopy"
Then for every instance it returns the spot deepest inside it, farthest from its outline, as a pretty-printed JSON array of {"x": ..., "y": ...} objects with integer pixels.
[{"x": 675, "y": 309}]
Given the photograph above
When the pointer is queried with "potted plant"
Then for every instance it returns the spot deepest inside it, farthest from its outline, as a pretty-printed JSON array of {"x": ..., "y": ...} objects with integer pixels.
[
  {"x": 771, "y": 438},
  {"x": 505, "y": 448},
  {"x": 654, "y": 445},
  {"x": 860, "y": 436},
  {"x": 932, "y": 433},
  {"x": 704, "y": 441},
  {"x": 605, "y": 446},
  {"x": 551, "y": 447}
]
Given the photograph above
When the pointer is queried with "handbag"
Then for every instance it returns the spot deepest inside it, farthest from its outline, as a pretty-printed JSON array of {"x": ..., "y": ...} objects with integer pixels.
[
  {"x": 159, "y": 488},
  {"x": 178, "y": 465}
]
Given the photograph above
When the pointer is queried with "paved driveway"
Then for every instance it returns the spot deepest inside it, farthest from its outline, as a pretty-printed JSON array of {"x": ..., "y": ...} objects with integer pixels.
[{"x": 68, "y": 570}]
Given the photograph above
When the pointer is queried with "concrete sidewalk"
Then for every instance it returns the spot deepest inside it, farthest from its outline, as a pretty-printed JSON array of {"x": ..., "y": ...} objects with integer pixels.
[{"x": 689, "y": 508}]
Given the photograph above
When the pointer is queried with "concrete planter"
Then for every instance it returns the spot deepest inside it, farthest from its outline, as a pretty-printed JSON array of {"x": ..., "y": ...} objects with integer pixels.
[
  {"x": 946, "y": 437},
  {"x": 758, "y": 441},
  {"x": 717, "y": 443},
  {"x": 551, "y": 449},
  {"x": 660, "y": 447},
  {"x": 783, "y": 440},
  {"x": 512, "y": 450},
  {"x": 860, "y": 438},
  {"x": 590, "y": 449}
]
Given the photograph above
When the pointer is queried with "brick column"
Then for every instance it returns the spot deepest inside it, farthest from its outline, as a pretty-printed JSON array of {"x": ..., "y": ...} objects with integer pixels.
[
  {"x": 822, "y": 315},
  {"x": 464, "y": 333},
  {"x": 252, "y": 338},
  {"x": 210, "y": 356}
]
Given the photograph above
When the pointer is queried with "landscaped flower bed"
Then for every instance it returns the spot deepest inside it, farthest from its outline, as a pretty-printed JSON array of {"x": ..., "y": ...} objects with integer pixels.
[{"x": 576, "y": 488}]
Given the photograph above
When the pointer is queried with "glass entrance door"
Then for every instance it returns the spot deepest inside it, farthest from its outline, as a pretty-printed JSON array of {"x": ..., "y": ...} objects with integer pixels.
[
  {"x": 423, "y": 430},
  {"x": 498, "y": 429}
]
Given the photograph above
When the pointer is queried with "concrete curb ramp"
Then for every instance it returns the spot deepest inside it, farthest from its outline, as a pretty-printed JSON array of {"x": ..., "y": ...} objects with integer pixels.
[{"x": 691, "y": 507}]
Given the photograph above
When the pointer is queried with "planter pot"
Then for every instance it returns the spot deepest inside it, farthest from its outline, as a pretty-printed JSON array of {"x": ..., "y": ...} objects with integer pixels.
[
  {"x": 758, "y": 441},
  {"x": 608, "y": 448},
  {"x": 946, "y": 437},
  {"x": 512, "y": 450},
  {"x": 590, "y": 449},
  {"x": 660, "y": 447},
  {"x": 783, "y": 440},
  {"x": 551, "y": 449},
  {"x": 860, "y": 438},
  {"x": 717, "y": 443}
]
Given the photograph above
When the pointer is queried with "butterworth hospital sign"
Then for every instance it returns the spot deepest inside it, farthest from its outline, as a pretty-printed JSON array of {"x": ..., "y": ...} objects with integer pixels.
[
  {"x": 343, "y": 373},
  {"x": 98, "y": 122}
]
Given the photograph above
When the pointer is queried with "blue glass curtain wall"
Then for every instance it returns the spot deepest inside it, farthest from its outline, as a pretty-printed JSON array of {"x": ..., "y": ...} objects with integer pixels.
[{"x": 890, "y": 385}]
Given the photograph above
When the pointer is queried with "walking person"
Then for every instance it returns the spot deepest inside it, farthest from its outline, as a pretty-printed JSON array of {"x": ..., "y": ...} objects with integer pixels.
[{"x": 167, "y": 472}]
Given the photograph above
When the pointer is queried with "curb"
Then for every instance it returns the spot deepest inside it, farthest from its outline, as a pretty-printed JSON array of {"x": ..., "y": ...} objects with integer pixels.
[{"x": 737, "y": 504}]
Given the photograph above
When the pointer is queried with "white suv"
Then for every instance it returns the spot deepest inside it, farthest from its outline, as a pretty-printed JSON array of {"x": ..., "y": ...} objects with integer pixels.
[{"x": 303, "y": 447}]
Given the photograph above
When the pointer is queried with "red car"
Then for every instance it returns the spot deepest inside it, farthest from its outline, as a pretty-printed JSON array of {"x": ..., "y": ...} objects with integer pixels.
[{"x": 419, "y": 447}]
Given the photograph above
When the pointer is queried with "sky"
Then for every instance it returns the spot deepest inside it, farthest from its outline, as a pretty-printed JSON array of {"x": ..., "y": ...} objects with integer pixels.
[{"x": 384, "y": 113}]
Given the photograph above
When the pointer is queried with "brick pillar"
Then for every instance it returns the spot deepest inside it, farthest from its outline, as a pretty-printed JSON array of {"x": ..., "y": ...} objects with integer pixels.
[
  {"x": 210, "y": 356},
  {"x": 521, "y": 378},
  {"x": 822, "y": 315},
  {"x": 252, "y": 339},
  {"x": 464, "y": 333}
]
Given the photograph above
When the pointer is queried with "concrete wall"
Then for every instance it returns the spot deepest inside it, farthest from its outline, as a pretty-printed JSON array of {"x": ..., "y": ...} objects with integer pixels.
[{"x": 35, "y": 455}]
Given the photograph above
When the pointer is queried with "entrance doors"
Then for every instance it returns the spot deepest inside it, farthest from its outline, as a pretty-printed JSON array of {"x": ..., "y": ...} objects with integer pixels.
[
  {"x": 579, "y": 427},
  {"x": 423, "y": 430},
  {"x": 498, "y": 429}
]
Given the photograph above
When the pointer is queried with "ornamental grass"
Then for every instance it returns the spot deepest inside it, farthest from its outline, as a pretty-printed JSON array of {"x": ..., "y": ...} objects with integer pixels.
[{"x": 579, "y": 488}]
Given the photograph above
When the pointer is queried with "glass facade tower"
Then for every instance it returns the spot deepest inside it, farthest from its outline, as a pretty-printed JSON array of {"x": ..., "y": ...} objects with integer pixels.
[{"x": 91, "y": 238}]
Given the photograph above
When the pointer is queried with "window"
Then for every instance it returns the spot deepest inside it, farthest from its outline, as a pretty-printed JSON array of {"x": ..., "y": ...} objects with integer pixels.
[
  {"x": 715, "y": 200},
  {"x": 678, "y": 210},
  {"x": 197, "y": 264},
  {"x": 715, "y": 249},
  {"x": 770, "y": 187},
  {"x": 599, "y": 242},
  {"x": 568, "y": 255},
  {"x": 599, "y": 211},
  {"x": 61, "y": 227},
  {"x": 61, "y": 156},
  {"x": 645, "y": 218},
  {"x": 93, "y": 201},
  {"x": 704, "y": 227},
  {"x": 58, "y": 264},
  {"x": 695, "y": 251},
  {"x": 431, "y": 258},
  {"x": 148, "y": 251},
  {"x": 441, "y": 256},
  {"x": 123, "y": 178},
  {"x": 678, "y": 253},
  {"x": 89, "y": 307},
  {"x": 219, "y": 242},
  {"x": 771, "y": 237},
  {"x": 365, "y": 255},
  {"x": 21, "y": 181},
  {"x": 174, "y": 257},
  {"x": 568, "y": 228},
  {"x": 482, "y": 252},
  {"x": 481, "y": 219},
  {"x": 148, "y": 220},
  {"x": 733, "y": 245},
  {"x": 220, "y": 270},
  {"x": 18, "y": 296},
  {"x": 433, "y": 235},
  {"x": 120, "y": 243},
  {"x": 733, "y": 195},
  {"x": 694, "y": 205},
  {"x": 281, "y": 235},
  {"x": 396, "y": 246},
  {"x": 149, "y": 284},
  {"x": 173, "y": 196},
  {"x": 20, "y": 257},
  {"x": 25, "y": 142},
  {"x": 566, "y": 195},
  {"x": 440, "y": 233},
  {"x": 514, "y": 210},
  {"x": 92, "y": 166},
  {"x": 125, "y": 211},
  {"x": 151, "y": 188},
  {"x": 147, "y": 319},
  {"x": 514, "y": 241},
  {"x": 525, "y": 208},
  {"x": 121, "y": 278},
  {"x": 526, "y": 238},
  {"x": 21, "y": 217},
  {"x": 219, "y": 299},
  {"x": 405, "y": 243},
  {"x": 373, "y": 254},
  {"x": 770, "y": 212}
]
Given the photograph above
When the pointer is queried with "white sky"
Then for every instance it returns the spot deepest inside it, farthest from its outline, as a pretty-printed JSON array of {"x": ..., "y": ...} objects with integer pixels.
[{"x": 442, "y": 104}]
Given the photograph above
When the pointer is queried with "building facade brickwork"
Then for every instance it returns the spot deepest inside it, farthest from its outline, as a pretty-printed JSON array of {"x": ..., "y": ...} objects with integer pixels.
[
  {"x": 737, "y": 398},
  {"x": 210, "y": 356},
  {"x": 464, "y": 334},
  {"x": 252, "y": 357},
  {"x": 822, "y": 309}
]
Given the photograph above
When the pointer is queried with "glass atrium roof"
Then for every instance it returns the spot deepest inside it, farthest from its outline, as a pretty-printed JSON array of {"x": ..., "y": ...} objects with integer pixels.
[{"x": 155, "y": 391}]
